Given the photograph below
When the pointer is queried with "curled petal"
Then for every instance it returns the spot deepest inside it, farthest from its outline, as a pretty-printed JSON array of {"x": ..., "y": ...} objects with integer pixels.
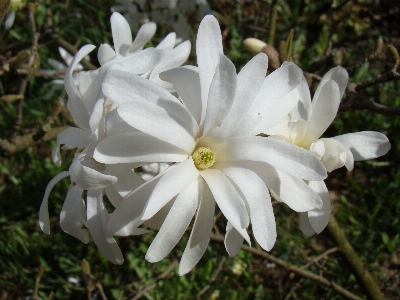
[
  {"x": 72, "y": 215},
  {"x": 233, "y": 240},
  {"x": 319, "y": 218},
  {"x": 44, "y": 210},
  {"x": 87, "y": 173}
]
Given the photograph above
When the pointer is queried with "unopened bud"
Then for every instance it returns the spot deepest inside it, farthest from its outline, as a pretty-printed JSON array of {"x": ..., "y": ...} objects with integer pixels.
[{"x": 253, "y": 45}]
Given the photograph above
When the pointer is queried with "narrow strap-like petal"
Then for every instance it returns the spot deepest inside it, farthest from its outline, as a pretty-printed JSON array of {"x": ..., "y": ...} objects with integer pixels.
[
  {"x": 44, "y": 222},
  {"x": 133, "y": 147},
  {"x": 319, "y": 218},
  {"x": 89, "y": 176},
  {"x": 200, "y": 235},
  {"x": 168, "y": 43},
  {"x": 97, "y": 224},
  {"x": 144, "y": 35},
  {"x": 284, "y": 156},
  {"x": 221, "y": 94},
  {"x": 366, "y": 144},
  {"x": 71, "y": 215},
  {"x": 105, "y": 54},
  {"x": 121, "y": 32},
  {"x": 176, "y": 222},
  {"x": 324, "y": 111},
  {"x": 172, "y": 183},
  {"x": 175, "y": 124},
  {"x": 228, "y": 200},
  {"x": 233, "y": 240},
  {"x": 258, "y": 200},
  {"x": 208, "y": 49}
]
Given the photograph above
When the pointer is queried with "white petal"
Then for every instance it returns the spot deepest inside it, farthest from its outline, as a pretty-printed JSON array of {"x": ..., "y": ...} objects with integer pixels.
[
  {"x": 319, "y": 218},
  {"x": 175, "y": 125},
  {"x": 56, "y": 65},
  {"x": 186, "y": 81},
  {"x": 200, "y": 235},
  {"x": 144, "y": 35},
  {"x": 127, "y": 181},
  {"x": 105, "y": 53},
  {"x": 126, "y": 218},
  {"x": 44, "y": 207},
  {"x": 138, "y": 63},
  {"x": 284, "y": 156},
  {"x": 324, "y": 112},
  {"x": 71, "y": 215},
  {"x": 97, "y": 224},
  {"x": 96, "y": 115},
  {"x": 177, "y": 221},
  {"x": 172, "y": 59},
  {"x": 168, "y": 42},
  {"x": 339, "y": 75},
  {"x": 258, "y": 200},
  {"x": 274, "y": 100},
  {"x": 228, "y": 199},
  {"x": 305, "y": 225},
  {"x": 75, "y": 106},
  {"x": 114, "y": 124},
  {"x": 303, "y": 108},
  {"x": 9, "y": 19},
  {"x": 233, "y": 240},
  {"x": 208, "y": 49},
  {"x": 336, "y": 155},
  {"x": 156, "y": 221},
  {"x": 89, "y": 176},
  {"x": 174, "y": 180},
  {"x": 121, "y": 86},
  {"x": 366, "y": 144},
  {"x": 121, "y": 32},
  {"x": 249, "y": 81},
  {"x": 74, "y": 137}
]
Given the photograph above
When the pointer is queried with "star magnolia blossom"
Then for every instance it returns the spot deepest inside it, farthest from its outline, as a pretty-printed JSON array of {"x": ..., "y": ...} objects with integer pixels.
[
  {"x": 124, "y": 47},
  {"x": 209, "y": 137},
  {"x": 96, "y": 118},
  {"x": 308, "y": 121}
]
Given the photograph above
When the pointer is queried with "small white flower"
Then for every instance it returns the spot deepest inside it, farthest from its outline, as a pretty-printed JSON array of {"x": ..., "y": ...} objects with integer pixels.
[
  {"x": 308, "y": 121},
  {"x": 210, "y": 138},
  {"x": 125, "y": 47}
]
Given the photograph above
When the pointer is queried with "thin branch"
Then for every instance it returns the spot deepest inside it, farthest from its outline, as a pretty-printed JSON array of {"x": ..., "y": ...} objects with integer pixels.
[
  {"x": 153, "y": 285},
  {"x": 21, "y": 143},
  {"x": 39, "y": 276},
  {"x": 213, "y": 278},
  {"x": 359, "y": 269},
  {"x": 319, "y": 279},
  {"x": 323, "y": 255},
  {"x": 358, "y": 101}
]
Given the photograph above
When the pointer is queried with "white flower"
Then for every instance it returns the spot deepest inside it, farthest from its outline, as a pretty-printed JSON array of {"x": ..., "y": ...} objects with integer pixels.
[
  {"x": 210, "y": 138},
  {"x": 89, "y": 108},
  {"x": 308, "y": 121},
  {"x": 132, "y": 10},
  {"x": 124, "y": 47}
]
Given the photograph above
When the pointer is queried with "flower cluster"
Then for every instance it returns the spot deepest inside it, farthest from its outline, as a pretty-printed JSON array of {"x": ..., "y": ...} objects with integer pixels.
[{"x": 211, "y": 136}]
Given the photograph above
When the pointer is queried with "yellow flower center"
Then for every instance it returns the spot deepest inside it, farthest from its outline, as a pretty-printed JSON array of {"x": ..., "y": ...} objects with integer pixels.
[{"x": 204, "y": 157}]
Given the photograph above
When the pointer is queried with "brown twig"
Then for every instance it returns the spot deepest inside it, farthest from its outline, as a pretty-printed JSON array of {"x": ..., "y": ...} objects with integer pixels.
[
  {"x": 151, "y": 286},
  {"x": 323, "y": 255},
  {"x": 91, "y": 283},
  {"x": 359, "y": 101},
  {"x": 318, "y": 279},
  {"x": 359, "y": 269},
  {"x": 39, "y": 276},
  {"x": 21, "y": 143},
  {"x": 213, "y": 278}
]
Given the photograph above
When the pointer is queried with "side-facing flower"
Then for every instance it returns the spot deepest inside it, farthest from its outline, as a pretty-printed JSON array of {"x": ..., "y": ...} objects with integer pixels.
[
  {"x": 89, "y": 109},
  {"x": 208, "y": 136},
  {"x": 308, "y": 121}
]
